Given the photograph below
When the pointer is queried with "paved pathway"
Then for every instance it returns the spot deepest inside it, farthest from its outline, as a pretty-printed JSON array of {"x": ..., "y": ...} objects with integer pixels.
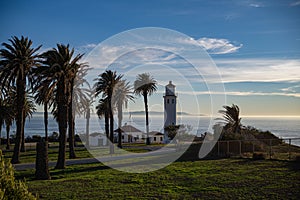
[{"x": 25, "y": 166}]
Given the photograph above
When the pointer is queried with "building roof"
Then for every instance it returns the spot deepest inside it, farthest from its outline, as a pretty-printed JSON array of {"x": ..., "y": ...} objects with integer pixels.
[
  {"x": 155, "y": 133},
  {"x": 95, "y": 134},
  {"x": 128, "y": 129}
]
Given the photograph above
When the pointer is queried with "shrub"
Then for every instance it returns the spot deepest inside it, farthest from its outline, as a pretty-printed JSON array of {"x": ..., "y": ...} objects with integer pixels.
[
  {"x": 9, "y": 187},
  {"x": 297, "y": 159},
  {"x": 258, "y": 156}
]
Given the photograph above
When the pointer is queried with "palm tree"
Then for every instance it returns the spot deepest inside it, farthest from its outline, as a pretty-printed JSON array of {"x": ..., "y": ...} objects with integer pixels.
[
  {"x": 79, "y": 97},
  {"x": 231, "y": 116},
  {"x": 17, "y": 60},
  {"x": 121, "y": 96},
  {"x": 86, "y": 106},
  {"x": 7, "y": 115},
  {"x": 61, "y": 67},
  {"x": 105, "y": 85},
  {"x": 44, "y": 95},
  {"x": 103, "y": 111},
  {"x": 145, "y": 85}
]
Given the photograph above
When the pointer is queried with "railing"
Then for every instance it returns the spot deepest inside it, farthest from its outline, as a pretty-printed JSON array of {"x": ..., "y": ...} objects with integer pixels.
[{"x": 288, "y": 148}]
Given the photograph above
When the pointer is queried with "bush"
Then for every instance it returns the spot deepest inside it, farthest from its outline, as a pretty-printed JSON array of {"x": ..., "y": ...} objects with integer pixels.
[
  {"x": 258, "y": 156},
  {"x": 9, "y": 187},
  {"x": 297, "y": 159}
]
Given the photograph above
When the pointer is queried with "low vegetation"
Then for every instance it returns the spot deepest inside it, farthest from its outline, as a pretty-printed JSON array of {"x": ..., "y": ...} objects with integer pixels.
[
  {"x": 205, "y": 179},
  {"x": 10, "y": 188}
]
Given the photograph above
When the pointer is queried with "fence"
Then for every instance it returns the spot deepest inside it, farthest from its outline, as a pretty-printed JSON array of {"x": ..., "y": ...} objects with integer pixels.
[{"x": 282, "y": 149}]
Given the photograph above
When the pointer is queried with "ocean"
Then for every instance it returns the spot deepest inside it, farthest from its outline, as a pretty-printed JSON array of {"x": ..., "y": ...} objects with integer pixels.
[{"x": 283, "y": 127}]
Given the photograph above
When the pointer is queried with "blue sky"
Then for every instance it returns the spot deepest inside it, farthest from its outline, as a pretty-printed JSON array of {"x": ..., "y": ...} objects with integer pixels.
[{"x": 255, "y": 44}]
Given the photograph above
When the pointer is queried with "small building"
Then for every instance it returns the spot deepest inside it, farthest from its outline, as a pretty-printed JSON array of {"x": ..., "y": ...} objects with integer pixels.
[
  {"x": 97, "y": 139},
  {"x": 156, "y": 137},
  {"x": 130, "y": 134}
]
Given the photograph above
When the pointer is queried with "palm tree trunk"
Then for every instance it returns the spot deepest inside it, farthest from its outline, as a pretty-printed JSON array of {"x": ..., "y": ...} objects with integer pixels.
[
  {"x": 23, "y": 149},
  {"x": 1, "y": 122},
  {"x": 7, "y": 137},
  {"x": 62, "y": 126},
  {"x": 71, "y": 131},
  {"x": 120, "y": 117},
  {"x": 111, "y": 123},
  {"x": 46, "y": 120},
  {"x": 87, "y": 128},
  {"x": 147, "y": 119},
  {"x": 106, "y": 119},
  {"x": 71, "y": 122},
  {"x": 21, "y": 84}
]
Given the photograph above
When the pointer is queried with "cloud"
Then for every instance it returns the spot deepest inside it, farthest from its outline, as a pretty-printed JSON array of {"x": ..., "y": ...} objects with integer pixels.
[
  {"x": 259, "y": 70},
  {"x": 89, "y": 46},
  {"x": 296, "y": 3},
  {"x": 256, "y": 5},
  {"x": 213, "y": 45},
  {"x": 218, "y": 46},
  {"x": 239, "y": 93}
]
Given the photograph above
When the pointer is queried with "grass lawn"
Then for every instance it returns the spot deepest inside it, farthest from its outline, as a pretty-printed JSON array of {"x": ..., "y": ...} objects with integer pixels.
[
  {"x": 81, "y": 152},
  {"x": 204, "y": 179}
]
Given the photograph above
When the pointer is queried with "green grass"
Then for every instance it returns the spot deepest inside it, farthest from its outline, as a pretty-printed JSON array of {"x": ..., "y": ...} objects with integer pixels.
[
  {"x": 204, "y": 179},
  {"x": 29, "y": 155}
]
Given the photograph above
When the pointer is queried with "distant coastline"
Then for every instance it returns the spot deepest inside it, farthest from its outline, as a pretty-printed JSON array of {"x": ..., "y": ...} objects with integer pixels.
[{"x": 162, "y": 113}]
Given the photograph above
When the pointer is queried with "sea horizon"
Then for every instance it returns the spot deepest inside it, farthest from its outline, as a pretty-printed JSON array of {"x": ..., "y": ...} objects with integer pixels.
[{"x": 281, "y": 126}]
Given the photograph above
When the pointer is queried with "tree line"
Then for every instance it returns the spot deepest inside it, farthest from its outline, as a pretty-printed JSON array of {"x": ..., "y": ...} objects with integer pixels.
[{"x": 56, "y": 79}]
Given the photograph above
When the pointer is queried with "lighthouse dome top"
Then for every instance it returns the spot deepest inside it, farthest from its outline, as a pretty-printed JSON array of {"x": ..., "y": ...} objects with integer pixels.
[{"x": 170, "y": 89}]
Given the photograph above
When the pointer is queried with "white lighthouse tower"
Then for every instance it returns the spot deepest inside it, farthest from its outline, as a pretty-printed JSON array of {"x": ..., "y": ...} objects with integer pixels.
[{"x": 170, "y": 107}]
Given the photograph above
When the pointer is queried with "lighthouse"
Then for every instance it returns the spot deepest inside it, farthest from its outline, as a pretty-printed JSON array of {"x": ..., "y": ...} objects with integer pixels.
[{"x": 170, "y": 107}]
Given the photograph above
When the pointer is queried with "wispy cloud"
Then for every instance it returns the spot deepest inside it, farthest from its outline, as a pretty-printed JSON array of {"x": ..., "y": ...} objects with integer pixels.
[
  {"x": 218, "y": 46},
  {"x": 239, "y": 93},
  {"x": 213, "y": 45},
  {"x": 89, "y": 46},
  {"x": 259, "y": 70},
  {"x": 296, "y": 3},
  {"x": 256, "y": 5}
]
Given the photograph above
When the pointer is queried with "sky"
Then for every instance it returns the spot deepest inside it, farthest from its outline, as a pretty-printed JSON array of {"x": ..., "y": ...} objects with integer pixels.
[{"x": 255, "y": 45}]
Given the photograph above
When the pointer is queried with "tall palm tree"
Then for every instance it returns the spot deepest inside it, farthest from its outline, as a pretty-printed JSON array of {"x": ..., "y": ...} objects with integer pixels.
[
  {"x": 61, "y": 67},
  {"x": 7, "y": 113},
  {"x": 121, "y": 96},
  {"x": 17, "y": 60},
  {"x": 145, "y": 85},
  {"x": 103, "y": 111},
  {"x": 44, "y": 94},
  {"x": 231, "y": 116},
  {"x": 86, "y": 108},
  {"x": 79, "y": 97},
  {"x": 105, "y": 85}
]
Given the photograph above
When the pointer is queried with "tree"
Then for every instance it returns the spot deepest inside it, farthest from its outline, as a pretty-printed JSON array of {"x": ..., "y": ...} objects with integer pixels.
[
  {"x": 10, "y": 114},
  {"x": 7, "y": 116},
  {"x": 86, "y": 105},
  {"x": 103, "y": 111},
  {"x": 17, "y": 60},
  {"x": 44, "y": 95},
  {"x": 121, "y": 96},
  {"x": 231, "y": 116},
  {"x": 172, "y": 131},
  {"x": 105, "y": 85},
  {"x": 60, "y": 67},
  {"x": 78, "y": 98},
  {"x": 145, "y": 85}
]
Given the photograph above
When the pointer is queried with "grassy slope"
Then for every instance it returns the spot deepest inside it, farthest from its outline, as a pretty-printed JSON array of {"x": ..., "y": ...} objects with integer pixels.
[{"x": 206, "y": 179}]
